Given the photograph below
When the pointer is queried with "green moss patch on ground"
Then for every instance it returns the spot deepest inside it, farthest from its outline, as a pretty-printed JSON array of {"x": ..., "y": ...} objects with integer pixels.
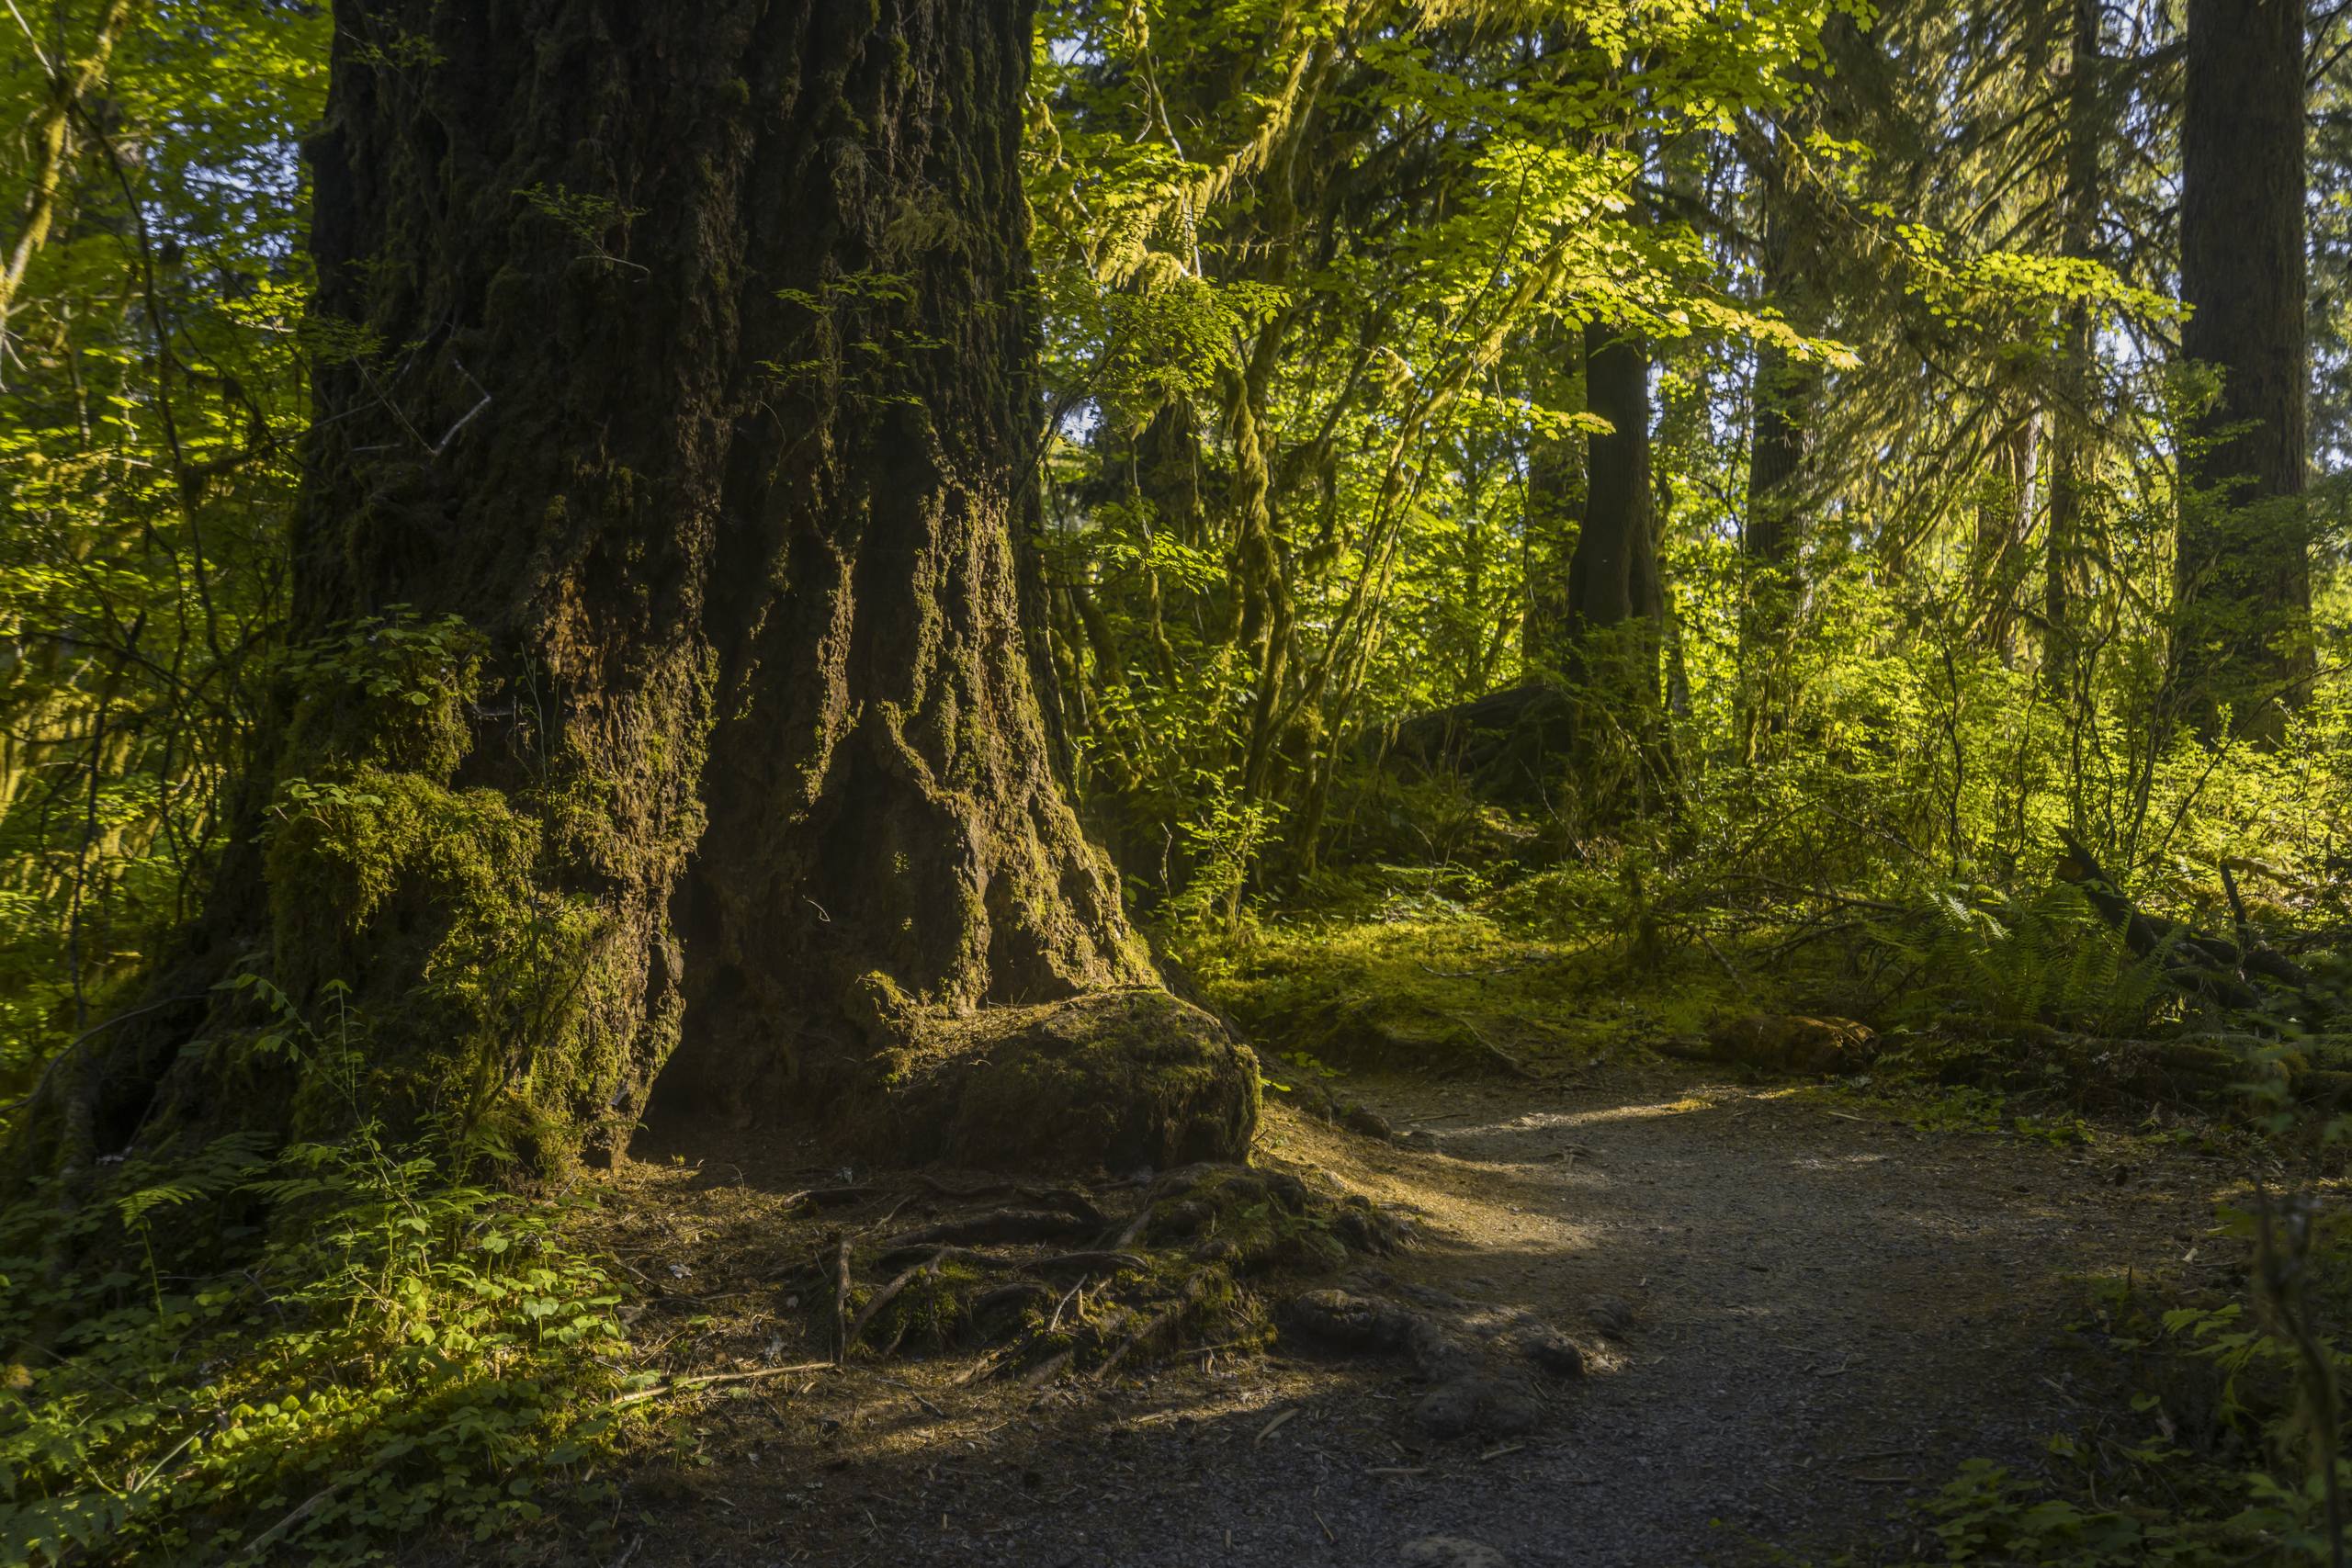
[{"x": 1460, "y": 994}]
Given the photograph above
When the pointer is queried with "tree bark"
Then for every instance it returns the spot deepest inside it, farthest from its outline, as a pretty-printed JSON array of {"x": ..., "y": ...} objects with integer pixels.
[
  {"x": 2243, "y": 571},
  {"x": 1776, "y": 458},
  {"x": 2005, "y": 511},
  {"x": 1555, "y": 505},
  {"x": 683, "y": 383},
  {"x": 1771, "y": 542},
  {"x": 1613, "y": 577},
  {"x": 2075, "y": 419}
]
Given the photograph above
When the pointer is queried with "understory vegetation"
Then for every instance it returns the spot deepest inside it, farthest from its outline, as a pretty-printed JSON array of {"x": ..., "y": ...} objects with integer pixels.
[{"x": 1670, "y": 537}]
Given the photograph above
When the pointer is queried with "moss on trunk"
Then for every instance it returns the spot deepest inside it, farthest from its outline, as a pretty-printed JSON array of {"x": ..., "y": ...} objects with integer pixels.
[{"x": 664, "y": 676}]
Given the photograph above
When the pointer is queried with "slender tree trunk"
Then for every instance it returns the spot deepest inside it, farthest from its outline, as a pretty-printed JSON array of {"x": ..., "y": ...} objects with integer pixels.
[
  {"x": 668, "y": 693},
  {"x": 49, "y": 139},
  {"x": 2075, "y": 419},
  {"x": 1782, "y": 393},
  {"x": 1784, "y": 387},
  {"x": 1771, "y": 541},
  {"x": 2243, "y": 568},
  {"x": 2004, "y": 520},
  {"x": 1262, "y": 617},
  {"x": 1155, "y": 513},
  {"x": 1613, "y": 581},
  {"x": 1555, "y": 506}
]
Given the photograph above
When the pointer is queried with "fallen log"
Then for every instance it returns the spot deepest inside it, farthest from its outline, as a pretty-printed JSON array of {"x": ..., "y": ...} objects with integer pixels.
[{"x": 2213, "y": 968}]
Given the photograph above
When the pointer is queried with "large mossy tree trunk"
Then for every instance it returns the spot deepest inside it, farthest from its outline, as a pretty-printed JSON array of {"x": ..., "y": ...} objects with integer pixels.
[
  {"x": 2243, "y": 568},
  {"x": 665, "y": 697}
]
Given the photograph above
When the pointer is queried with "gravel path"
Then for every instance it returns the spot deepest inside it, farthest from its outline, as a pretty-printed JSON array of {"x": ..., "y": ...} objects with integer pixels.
[{"x": 1800, "y": 1321}]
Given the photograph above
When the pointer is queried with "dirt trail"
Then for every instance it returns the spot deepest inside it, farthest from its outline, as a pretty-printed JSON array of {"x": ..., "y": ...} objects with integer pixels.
[{"x": 1818, "y": 1316}]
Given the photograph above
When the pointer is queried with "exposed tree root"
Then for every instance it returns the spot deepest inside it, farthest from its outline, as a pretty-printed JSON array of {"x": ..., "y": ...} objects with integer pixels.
[
  {"x": 1104, "y": 1082},
  {"x": 1470, "y": 1362},
  {"x": 1004, "y": 1225},
  {"x": 883, "y": 1297},
  {"x": 1185, "y": 1258}
]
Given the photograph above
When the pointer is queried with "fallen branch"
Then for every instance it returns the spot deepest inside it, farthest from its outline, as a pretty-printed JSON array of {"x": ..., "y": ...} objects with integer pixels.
[
  {"x": 885, "y": 1296},
  {"x": 999, "y": 1225},
  {"x": 2198, "y": 964},
  {"x": 253, "y": 1548},
  {"x": 713, "y": 1380},
  {"x": 841, "y": 1301},
  {"x": 832, "y": 1197},
  {"x": 1497, "y": 1055}
]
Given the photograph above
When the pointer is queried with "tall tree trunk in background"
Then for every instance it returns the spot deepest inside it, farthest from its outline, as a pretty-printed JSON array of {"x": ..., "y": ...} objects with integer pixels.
[
  {"x": 1613, "y": 577},
  {"x": 50, "y": 142},
  {"x": 684, "y": 397},
  {"x": 2073, "y": 422},
  {"x": 2004, "y": 519},
  {"x": 1555, "y": 501},
  {"x": 1769, "y": 542},
  {"x": 1616, "y": 586},
  {"x": 2243, "y": 572},
  {"x": 1772, "y": 540}
]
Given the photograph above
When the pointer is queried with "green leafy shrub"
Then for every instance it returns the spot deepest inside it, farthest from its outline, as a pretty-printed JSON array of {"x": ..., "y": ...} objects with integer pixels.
[
  {"x": 318, "y": 1351},
  {"x": 1981, "y": 960}
]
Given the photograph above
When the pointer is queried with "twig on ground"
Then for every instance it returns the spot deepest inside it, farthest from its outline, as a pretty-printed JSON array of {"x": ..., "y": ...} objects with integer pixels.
[
  {"x": 714, "y": 1379},
  {"x": 883, "y": 1298},
  {"x": 841, "y": 1301}
]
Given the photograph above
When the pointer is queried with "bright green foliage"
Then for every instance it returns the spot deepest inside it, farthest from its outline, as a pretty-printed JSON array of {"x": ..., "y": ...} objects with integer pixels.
[
  {"x": 152, "y": 387},
  {"x": 1286, "y": 281},
  {"x": 1990, "y": 963},
  {"x": 1989, "y": 1516},
  {"x": 403, "y": 1352},
  {"x": 1304, "y": 297}
]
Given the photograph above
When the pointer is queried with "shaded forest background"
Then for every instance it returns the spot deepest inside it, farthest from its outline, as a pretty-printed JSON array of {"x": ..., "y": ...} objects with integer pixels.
[
  {"x": 1874, "y": 584},
  {"x": 1757, "y": 506}
]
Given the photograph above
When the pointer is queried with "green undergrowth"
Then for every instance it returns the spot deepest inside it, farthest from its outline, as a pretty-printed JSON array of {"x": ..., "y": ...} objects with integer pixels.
[
  {"x": 2214, "y": 1455},
  {"x": 1944, "y": 1086},
  {"x": 312, "y": 1353},
  {"x": 1444, "y": 988},
  {"x": 2022, "y": 1013}
]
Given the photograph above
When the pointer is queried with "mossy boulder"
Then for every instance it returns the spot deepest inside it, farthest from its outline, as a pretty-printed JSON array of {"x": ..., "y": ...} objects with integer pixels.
[
  {"x": 1110, "y": 1081},
  {"x": 1785, "y": 1042}
]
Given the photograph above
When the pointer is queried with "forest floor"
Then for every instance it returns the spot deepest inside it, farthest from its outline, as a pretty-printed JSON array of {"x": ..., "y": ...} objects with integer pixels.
[{"x": 1802, "y": 1311}]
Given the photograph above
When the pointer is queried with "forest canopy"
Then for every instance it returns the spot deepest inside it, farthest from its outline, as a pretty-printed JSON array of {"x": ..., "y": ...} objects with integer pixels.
[{"x": 1020, "y": 586}]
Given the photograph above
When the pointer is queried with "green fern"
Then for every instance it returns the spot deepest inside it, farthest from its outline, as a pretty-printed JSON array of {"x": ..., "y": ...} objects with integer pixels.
[{"x": 1979, "y": 957}]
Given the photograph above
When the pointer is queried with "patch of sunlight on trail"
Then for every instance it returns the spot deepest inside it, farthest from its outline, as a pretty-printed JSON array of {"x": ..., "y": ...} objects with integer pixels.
[{"x": 1649, "y": 1113}]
